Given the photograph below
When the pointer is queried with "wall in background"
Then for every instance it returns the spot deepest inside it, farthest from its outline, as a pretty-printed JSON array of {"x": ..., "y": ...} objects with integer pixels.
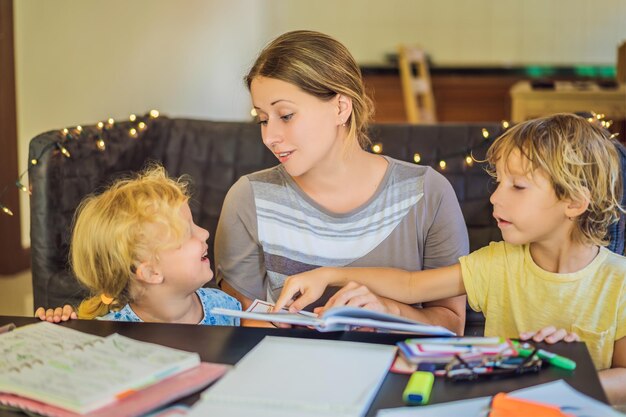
[
  {"x": 81, "y": 61},
  {"x": 466, "y": 31},
  {"x": 16, "y": 294}
]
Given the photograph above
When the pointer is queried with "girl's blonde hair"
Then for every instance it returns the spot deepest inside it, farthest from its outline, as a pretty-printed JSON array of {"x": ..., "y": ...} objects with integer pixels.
[
  {"x": 581, "y": 162},
  {"x": 320, "y": 66},
  {"x": 131, "y": 222}
]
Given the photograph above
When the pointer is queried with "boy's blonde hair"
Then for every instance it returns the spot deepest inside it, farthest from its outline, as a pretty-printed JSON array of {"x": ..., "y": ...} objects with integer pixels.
[
  {"x": 320, "y": 66},
  {"x": 131, "y": 222},
  {"x": 581, "y": 162}
]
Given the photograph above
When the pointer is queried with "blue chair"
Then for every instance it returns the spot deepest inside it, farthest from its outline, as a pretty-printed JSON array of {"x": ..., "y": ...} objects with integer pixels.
[{"x": 616, "y": 230}]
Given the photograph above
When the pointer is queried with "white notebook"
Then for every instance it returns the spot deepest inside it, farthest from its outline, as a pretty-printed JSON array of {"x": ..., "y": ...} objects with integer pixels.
[{"x": 300, "y": 377}]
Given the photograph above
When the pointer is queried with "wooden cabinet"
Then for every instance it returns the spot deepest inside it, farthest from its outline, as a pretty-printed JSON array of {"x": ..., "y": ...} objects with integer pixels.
[
  {"x": 468, "y": 94},
  {"x": 473, "y": 98},
  {"x": 458, "y": 98},
  {"x": 385, "y": 91},
  {"x": 476, "y": 97},
  {"x": 566, "y": 96}
]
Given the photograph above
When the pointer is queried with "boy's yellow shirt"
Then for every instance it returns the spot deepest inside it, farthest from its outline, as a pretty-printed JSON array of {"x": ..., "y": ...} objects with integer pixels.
[{"x": 516, "y": 295}]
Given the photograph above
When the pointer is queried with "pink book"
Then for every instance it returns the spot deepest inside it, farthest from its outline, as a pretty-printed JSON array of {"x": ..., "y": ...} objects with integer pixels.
[{"x": 137, "y": 402}]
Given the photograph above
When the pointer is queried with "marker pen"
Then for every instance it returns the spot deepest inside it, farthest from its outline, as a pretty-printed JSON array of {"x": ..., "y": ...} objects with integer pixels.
[{"x": 559, "y": 361}]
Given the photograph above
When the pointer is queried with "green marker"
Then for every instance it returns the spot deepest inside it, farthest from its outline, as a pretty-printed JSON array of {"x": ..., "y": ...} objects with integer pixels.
[
  {"x": 553, "y": 359},
  {"x": 418, "y": 389}
]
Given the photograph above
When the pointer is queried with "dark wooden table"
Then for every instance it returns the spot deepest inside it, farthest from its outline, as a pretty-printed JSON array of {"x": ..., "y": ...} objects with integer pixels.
[{"x": 229, "y": 344}]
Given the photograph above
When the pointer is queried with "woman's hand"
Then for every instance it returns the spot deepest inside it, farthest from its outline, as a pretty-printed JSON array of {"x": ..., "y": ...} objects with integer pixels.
[
  {"x": 300, "y": 290},
  {"x": 357, "y": 295},
  {"x": 56, "y": 315},
  {"x": 550, "y": 335}
]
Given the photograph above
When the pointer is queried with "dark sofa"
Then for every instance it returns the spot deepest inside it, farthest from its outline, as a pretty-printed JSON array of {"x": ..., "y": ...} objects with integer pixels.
[{"x": 215, "y": 155}]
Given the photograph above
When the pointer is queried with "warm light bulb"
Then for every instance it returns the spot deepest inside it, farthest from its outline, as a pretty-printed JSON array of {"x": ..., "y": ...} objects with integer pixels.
[
  {"x": 485, "y": 133},
  {"x": 505, "y": 124},
  {"x": 377, "y": 148},
  {"x": 6, "y": 210},
  {"x": 133, "y": 132},
  {"x": 79, "y": 128},
  {"x": 417, "y": 158},
  {"x": 101, "y": 145},
  {"x": 110, "y": 121},
  {"x": 33, "y": 161},
  {"x": 132, "y": 117},
  {"x": 65, "y": 131},
  {"x": 442, "y": 164},
  {"x": 253, "y": 113},
  {"x": 100, "y": 125},
  {"x": 21, "y": 186},
  {"x": 154, "y": 114},
  {"x": 469, "y": 160},
  {"x": 64, "y": 151},
  {"x": 141, "y": 125}
]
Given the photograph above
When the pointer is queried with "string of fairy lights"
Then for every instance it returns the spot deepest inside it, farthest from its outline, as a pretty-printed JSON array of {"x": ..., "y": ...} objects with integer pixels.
[
  {"x": 139, "y": 125},
  {"x": 468, "y": 154},
  {"x": 442, "y": 162}
]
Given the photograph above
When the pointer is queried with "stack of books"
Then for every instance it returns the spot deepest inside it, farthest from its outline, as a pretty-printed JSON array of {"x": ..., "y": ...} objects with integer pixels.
[{"x": 442, "y": 350}]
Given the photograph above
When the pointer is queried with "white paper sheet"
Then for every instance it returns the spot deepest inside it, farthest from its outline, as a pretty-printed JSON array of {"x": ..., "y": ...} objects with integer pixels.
[{"x": 300, "y": 377}]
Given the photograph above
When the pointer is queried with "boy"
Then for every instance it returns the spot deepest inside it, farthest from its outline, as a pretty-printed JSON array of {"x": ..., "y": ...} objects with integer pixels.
[{"x": 559, "y": 188}]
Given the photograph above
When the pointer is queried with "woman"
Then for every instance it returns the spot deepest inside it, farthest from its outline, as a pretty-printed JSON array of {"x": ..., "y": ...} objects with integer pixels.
[{"x": 330, "y": 202}]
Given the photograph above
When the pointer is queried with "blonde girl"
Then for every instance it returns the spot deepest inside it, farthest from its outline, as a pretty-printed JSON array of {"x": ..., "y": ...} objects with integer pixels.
[{"x": 136, "y": 248}]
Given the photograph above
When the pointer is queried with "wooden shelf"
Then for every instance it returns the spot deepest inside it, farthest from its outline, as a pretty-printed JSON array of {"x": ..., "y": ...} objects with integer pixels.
[{"x": 458, "y": 98}]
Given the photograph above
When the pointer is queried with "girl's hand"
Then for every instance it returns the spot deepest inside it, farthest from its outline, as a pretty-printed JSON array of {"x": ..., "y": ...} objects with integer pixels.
[
  {"x": 357, "y": 295},
  {"x": 56, "y": 315},
  {"x": 550, "y": 335},
  {"x": 300, "y": 290}
]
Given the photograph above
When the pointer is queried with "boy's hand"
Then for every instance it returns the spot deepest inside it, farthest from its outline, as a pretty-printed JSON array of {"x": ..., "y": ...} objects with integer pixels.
[
  {"x": 300, "y": 290},
  {"x": 56, "y": 315},
  {"x": 550, "y": 335}
]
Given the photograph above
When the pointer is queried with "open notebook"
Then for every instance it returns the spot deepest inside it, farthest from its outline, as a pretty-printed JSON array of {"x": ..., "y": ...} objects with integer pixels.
[
  {"x": 341, "y": 318},
  {"x": 57, "y": 371}
]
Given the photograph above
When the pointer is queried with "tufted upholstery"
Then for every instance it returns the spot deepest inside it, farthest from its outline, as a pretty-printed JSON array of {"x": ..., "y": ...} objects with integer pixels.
[{"x": 215, "y": 154}]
